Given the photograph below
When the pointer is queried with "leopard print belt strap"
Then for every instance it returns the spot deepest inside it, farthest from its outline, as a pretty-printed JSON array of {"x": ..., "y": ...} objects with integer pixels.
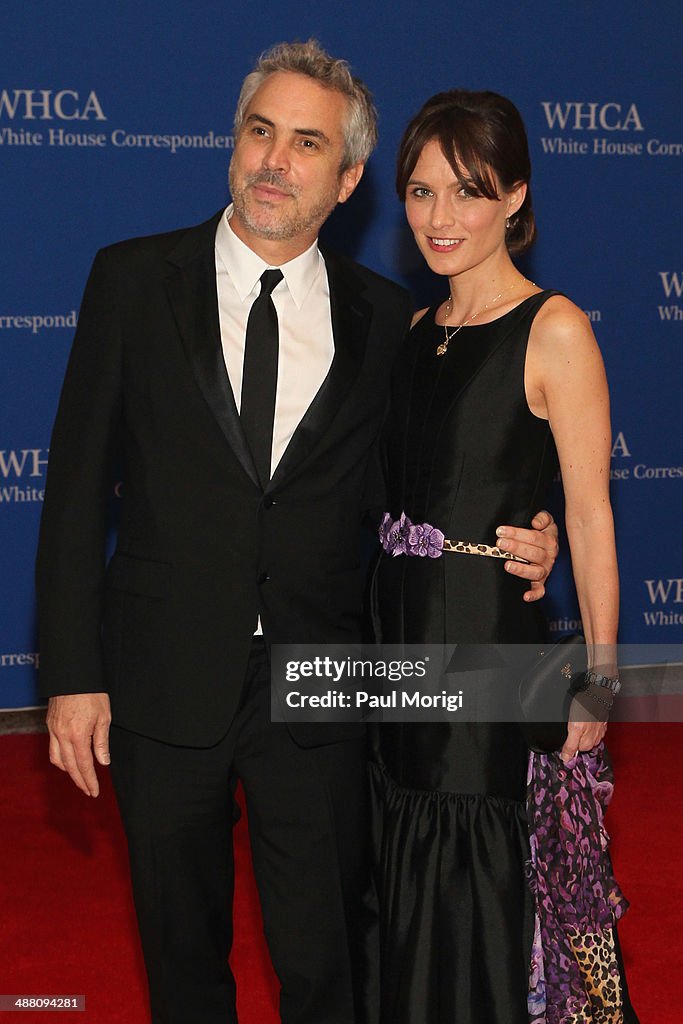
[{"x": 422, "y": 540}]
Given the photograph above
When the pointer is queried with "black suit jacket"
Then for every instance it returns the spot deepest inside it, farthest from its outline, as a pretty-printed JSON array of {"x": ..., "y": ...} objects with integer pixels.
[{"x": 202, "y": 550}]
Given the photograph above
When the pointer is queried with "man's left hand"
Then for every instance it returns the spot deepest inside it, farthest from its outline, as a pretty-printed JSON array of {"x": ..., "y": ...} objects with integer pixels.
[{"x": 539, "y": 546}]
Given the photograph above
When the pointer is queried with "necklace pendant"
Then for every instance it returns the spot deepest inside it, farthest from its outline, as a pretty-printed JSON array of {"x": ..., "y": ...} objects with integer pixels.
[{"x": 442, "y": 348}]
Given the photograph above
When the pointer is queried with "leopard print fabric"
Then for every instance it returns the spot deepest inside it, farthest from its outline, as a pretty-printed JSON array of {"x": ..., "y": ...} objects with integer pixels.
[
  {"x": 597, "y": 962},
  {"x": 466, "y": 547}
]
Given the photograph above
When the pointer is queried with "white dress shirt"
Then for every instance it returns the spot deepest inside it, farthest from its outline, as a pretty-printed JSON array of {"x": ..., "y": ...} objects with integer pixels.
[{"x": 302, "y": 303}]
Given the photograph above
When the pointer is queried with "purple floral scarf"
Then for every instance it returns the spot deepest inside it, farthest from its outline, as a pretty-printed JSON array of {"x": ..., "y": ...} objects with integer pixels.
[{"x": 574, "y": 975}]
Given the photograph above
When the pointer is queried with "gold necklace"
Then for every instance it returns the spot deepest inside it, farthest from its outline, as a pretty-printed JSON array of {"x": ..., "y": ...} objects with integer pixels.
[{"x": 442, "y": 349}]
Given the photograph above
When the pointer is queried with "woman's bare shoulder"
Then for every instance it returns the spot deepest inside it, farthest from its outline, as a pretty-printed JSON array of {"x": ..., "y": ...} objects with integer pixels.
[
  {"x": 560, "y": 325},
  {"x": 560, "y": 314}
]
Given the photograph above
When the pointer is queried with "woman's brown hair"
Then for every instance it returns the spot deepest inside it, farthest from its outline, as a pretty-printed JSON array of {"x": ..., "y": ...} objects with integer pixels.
[{"x": 479, "y": 133}]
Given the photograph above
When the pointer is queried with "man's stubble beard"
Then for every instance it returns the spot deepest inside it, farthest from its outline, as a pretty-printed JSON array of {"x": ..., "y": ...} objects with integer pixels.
[{"x": 285, "y": 227}]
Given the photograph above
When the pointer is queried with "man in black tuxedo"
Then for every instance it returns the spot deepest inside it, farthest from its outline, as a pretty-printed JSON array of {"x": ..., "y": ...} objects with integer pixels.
[{"x": 242, "y": 374}]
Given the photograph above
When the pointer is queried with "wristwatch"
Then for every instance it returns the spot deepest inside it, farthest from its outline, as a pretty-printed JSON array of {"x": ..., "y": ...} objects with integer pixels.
[{"x": 610, "y": 683}]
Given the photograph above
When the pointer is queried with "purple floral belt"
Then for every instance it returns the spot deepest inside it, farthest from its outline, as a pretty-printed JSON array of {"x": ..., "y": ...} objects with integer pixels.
[{"x": 422, "y": 540}]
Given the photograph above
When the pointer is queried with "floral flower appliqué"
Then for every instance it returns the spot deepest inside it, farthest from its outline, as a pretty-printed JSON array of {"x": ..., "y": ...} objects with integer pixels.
[
  {"x": 402, "y": 537},
  {"x": 425, "y": 541}
]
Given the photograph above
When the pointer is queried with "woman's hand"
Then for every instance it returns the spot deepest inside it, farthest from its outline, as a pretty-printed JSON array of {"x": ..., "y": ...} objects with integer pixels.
[{"x": 584, "y": 735}]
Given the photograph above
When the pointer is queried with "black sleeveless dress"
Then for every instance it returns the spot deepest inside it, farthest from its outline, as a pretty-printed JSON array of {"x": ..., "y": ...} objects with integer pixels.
[{"x": 465, "y": 454}]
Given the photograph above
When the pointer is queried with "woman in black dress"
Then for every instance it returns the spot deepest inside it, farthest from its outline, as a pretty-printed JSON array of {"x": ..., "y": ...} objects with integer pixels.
[{"x": 497, "y": 385}]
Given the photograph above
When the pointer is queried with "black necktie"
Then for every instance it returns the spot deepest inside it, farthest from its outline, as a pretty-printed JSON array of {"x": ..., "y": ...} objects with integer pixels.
[{"x": 259, "y": 376}]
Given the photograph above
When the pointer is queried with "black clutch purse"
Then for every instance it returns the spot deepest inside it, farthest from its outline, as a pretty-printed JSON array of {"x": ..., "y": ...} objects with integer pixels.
[{"x": 546, "y": 691}]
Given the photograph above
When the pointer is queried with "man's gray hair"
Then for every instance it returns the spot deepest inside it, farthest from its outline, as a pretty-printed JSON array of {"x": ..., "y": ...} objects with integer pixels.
[{"x": 360, "y": 129}]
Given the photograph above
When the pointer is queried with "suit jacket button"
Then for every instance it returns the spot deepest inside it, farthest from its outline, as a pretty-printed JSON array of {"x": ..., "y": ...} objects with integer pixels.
[
  {"x": 262, "y": 577},
  {"x": 268, "y": 502}
]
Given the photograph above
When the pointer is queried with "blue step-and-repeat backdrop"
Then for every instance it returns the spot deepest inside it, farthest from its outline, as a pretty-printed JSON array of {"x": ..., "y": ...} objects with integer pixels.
[{"x": 115, "y": 120}]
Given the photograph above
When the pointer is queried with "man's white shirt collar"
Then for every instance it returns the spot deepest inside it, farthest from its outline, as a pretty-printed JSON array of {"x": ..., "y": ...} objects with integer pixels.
[{"x": 245, "y": 268}]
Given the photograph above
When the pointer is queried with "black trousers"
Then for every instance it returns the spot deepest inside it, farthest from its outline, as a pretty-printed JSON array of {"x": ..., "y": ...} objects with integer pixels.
[{"x": 309, "y": 832}]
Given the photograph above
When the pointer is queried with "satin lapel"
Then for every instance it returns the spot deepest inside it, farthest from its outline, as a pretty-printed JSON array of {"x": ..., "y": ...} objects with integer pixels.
[
  {"x": 191, "y": 288},
  {"x": 351, "y": 314}
]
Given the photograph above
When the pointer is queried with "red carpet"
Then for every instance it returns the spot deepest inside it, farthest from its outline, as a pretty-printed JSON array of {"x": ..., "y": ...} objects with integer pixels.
[{"x": 67, "y": 923}]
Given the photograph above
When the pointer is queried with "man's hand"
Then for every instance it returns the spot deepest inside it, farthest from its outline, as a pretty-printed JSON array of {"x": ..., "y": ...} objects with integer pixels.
[
  {"x": 78, "y": 724},
  {"x": 539, "y": 546}
]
